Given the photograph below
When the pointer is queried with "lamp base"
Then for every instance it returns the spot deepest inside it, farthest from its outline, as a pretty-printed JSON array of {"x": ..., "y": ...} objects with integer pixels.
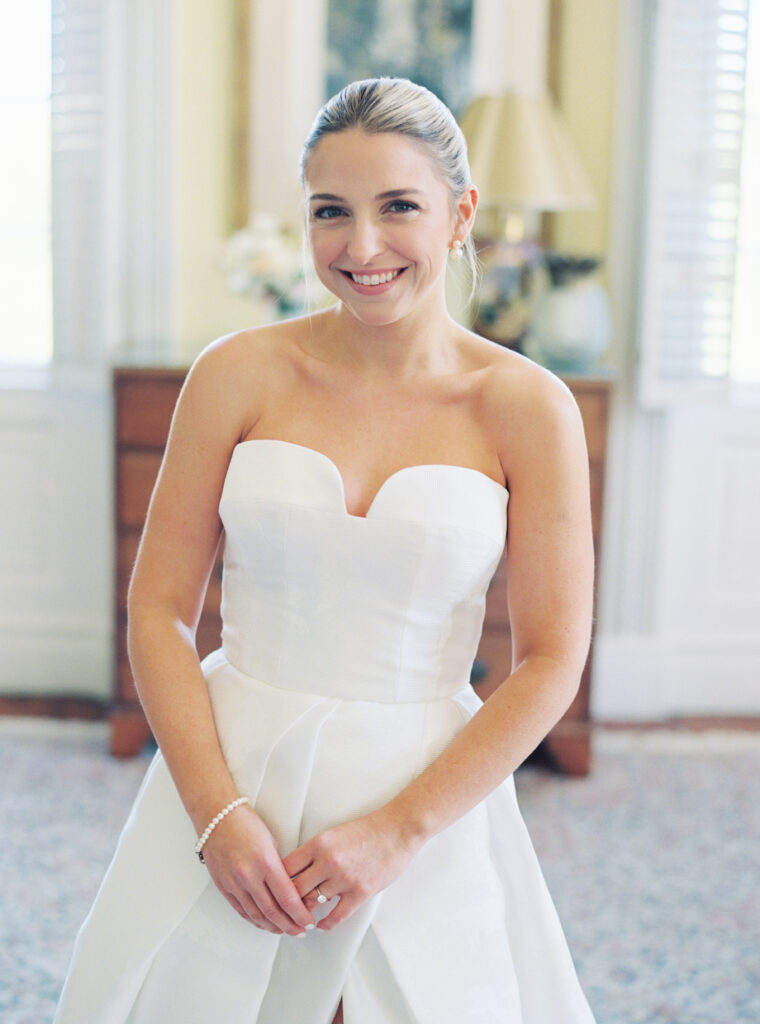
[{"x": 504, "y": 303}]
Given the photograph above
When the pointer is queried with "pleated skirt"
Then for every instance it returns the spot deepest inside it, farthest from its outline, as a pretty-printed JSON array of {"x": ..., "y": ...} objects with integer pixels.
[{"x": 468, "y": 933}]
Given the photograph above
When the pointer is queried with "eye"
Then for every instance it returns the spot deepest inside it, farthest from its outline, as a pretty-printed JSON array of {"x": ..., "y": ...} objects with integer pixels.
[
  {"x": 402, "y": 206},
  {"x": 327, "y": 212}
]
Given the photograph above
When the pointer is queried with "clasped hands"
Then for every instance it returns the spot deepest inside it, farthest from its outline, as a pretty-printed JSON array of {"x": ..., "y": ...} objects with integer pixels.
[{"x": 352, "y": 861}]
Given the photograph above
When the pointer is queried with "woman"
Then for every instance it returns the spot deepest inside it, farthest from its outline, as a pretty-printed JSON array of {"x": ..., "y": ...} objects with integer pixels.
[{"x": 340, "y": 781}]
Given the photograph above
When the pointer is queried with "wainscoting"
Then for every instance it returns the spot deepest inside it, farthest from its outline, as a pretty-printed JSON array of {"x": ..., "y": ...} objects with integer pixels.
[
  {"x": 680, "y": 573},
  {"x": 56, "y": 556}
]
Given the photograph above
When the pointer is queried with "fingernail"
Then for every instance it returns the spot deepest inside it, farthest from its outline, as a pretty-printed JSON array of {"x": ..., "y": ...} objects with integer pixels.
[
  {"x": 309, "y": 927},
  {"x": 301, "y": 935}
]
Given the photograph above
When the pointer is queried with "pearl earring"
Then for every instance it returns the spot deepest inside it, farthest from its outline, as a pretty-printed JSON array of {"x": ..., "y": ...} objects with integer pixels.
[{"x": 456, "y": 249}]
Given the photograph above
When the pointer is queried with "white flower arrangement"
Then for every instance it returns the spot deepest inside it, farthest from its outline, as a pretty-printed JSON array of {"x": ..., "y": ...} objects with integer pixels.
[{"x": 266, "y": 261}]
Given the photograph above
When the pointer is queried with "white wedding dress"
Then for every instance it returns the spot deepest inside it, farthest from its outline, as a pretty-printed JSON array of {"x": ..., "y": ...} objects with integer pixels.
[{"x": 344, "y": 667}]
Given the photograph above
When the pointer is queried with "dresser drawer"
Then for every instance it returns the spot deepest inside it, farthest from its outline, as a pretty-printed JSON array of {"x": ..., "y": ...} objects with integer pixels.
[
  {"x": 144, "y": 409},
  {"x": 136, "y": 474},
  {"x": 593, "y": 409}
]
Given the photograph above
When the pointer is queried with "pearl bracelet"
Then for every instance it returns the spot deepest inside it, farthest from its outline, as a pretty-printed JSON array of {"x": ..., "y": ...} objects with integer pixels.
[{"x": 214, "y": 822}]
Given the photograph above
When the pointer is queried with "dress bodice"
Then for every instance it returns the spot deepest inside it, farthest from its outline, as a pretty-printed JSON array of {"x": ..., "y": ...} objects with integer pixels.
[{"x": 387, "y": 607}]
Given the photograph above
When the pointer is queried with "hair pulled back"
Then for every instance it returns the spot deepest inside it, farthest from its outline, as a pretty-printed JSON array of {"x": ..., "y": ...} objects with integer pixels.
[{"x": 396, "y": 105}]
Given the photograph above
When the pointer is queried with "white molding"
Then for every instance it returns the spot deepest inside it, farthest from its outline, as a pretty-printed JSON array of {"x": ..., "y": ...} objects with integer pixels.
[
  {"x": 56, "y": 730},
  {"x": 710, "y": 562},
  {"x": 56, "y": 657},
  {"x": 142, "y": 154},
  {"x": 509, "y": 47},
  {"x": 639, "y": 677},
  {"x": 630, "y": 563},
  {"x": 65, "y": 624},
  {"x": 27, "y": 407},
  {"x": 115, "y": 175},
  {"x": 287, "y": 88},
  {"x": 56, "y": 581}
]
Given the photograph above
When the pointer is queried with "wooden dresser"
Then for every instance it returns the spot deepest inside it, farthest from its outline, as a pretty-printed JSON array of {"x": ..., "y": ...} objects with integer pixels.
[{"x": 144, "y": 401}]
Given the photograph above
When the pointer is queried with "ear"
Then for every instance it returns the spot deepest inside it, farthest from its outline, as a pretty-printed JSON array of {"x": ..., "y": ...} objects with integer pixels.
[{"x": 465, "y": 212}]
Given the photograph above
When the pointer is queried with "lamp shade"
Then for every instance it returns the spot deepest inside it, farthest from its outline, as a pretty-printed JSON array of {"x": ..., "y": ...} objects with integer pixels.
[{"x": 522, "y": 155}]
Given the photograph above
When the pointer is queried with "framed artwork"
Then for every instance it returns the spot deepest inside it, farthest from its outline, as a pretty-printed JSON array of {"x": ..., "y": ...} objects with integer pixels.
[
  {"x": 240, "y": 141},
  {"x": 429, "y": 41}
]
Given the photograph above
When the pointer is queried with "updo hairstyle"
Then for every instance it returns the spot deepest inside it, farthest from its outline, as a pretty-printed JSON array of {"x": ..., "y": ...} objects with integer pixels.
[{"x": 380, "y": 105}]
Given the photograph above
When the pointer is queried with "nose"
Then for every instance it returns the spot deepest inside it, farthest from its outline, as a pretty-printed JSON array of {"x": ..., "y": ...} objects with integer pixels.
[{"x": 364, "y": 241}]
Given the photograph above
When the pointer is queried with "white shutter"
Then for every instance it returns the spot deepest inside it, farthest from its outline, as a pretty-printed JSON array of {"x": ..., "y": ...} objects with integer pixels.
[
  {"x": 25, "y": 298},
  {"x": 115, "y": 114},
  {"x": 745, "y": 349},
  {"x": 694, "y": 148},
  {"x": 78, "y": 178}
]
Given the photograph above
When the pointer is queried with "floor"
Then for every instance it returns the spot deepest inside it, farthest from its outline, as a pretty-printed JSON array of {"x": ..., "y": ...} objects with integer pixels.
[{"x": 652, "y": 861}]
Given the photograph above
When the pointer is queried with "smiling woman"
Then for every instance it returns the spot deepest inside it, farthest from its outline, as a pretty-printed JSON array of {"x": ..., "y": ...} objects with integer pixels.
[{"x": 330, "y": 764}]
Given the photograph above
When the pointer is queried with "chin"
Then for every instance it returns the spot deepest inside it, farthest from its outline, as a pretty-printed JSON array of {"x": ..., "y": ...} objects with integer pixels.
[{"x": 375, "y": 317}]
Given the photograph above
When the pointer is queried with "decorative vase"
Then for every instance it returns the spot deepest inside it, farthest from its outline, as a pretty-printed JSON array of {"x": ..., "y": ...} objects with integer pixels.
[{"x": 570, "y": 327}]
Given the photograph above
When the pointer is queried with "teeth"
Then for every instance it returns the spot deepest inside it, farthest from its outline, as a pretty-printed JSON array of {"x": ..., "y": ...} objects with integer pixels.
[{"x": 375, "y": 278}]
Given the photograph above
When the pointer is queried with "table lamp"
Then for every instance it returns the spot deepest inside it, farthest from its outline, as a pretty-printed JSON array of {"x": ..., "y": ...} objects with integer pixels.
[{"x": 522, "y": 160}]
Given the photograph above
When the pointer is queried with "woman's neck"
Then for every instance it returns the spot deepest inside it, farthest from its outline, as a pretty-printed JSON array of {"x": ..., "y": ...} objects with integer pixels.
[{"x": 415, "y": 345}]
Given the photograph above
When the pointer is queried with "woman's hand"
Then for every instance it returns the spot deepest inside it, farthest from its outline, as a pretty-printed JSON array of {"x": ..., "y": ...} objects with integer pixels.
[
  {"x": 352, "y": 861},
  {"x": 245, "y": 865}
]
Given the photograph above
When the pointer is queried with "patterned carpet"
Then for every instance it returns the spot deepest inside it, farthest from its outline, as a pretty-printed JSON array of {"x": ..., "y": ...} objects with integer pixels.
[{"x": 653, "y": 861}]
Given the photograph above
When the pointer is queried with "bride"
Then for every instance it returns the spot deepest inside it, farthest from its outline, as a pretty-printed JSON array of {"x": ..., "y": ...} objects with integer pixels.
[{"x": 330, "y": 765}]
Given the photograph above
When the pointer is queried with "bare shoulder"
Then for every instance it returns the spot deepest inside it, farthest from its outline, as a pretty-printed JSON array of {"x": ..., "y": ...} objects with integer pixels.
[
  {"x": 519, "y": 393},
  {"x": 244, "y": 356},
  {"x": 230, "y": 377},
  {"x": 528, "y": 411}
]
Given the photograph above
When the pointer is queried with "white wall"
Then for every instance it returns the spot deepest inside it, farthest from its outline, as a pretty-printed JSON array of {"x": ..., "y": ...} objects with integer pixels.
[{"x": 55, "y": 558}]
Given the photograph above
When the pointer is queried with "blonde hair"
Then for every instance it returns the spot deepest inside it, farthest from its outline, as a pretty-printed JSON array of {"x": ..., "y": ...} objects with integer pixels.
[{"x": 396, "y": 105}]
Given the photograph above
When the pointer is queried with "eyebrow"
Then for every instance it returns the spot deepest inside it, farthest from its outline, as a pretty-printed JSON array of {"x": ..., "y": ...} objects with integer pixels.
[{"x": 393, "y": 193}]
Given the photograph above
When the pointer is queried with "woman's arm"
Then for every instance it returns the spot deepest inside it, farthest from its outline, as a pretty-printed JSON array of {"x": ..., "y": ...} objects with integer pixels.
[
  {"x": 550, "y": 582},
  {"x": 550, "y": 592},
  {"x": 175, "y": 559}
]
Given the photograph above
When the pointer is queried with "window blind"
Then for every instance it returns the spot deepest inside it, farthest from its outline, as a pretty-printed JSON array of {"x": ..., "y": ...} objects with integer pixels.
[
  {"x": 25, "y": 292},
  {"x": 694, "y": 146},
  {"x": 78, "y": 178}
]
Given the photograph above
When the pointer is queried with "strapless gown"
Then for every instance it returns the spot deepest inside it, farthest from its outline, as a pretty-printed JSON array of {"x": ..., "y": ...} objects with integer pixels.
[{"x": 344, "y": 670}]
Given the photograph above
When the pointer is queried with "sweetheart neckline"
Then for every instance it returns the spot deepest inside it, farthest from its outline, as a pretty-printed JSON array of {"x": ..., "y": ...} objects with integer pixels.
[{"x": 396, "y": 473}]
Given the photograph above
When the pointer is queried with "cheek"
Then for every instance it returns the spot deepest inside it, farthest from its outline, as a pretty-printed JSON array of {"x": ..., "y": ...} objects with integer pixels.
[{"x": 324, "y": 248}]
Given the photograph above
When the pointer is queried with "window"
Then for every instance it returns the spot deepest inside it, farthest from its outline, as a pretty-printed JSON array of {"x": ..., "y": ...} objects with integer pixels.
[
  {"x": 78, "y": 164},
  {"x": 26, "y": 331},
  {"x": 702, "y": 229},
  {"x": 52, "y": 173},
  {"x": 745, "y": 350}
]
